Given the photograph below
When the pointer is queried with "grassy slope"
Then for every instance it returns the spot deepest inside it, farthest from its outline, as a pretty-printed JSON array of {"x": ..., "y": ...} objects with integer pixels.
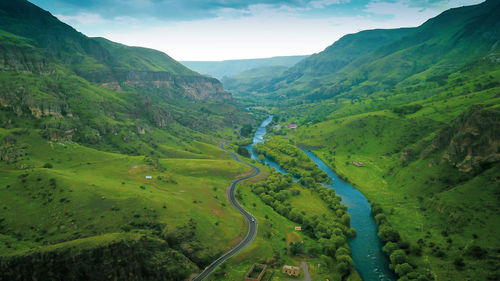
[
  {"x": 97, "y": 192},
  {"x": 416, "y": 202},
  {"x": 143, "y": 59}
]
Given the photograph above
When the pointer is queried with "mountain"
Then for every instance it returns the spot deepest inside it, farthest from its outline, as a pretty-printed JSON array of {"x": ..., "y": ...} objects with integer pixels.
[
  {"x": 158, "y": 88},
  {"x": 98, "y": 144},
  {"x": 397, "y": 60},
  {"x": 421, "y": 115},
  {"x": 344, "y": 51},
  {"x": 247, "y": 84},
  {"x": 229, "y": 68},
  {"x": 310, "y": 70}
]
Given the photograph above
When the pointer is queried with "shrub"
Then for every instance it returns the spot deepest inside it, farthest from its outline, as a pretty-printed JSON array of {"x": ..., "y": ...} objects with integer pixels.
[
  {"x": 388, "y": 234},
  {"x": 476, "y": 252},
  {"x": 344, "y": 264},
  {"x": 403, "y": 269},
  {"x": 398, "y": 257},
  {"x": 459, "y": 262},
  {"x": 243, "y": 151},
  {"x": 297, "y": 248},
  {"x": 390, "y": 247},
  {"x": 48, "y": 166}
]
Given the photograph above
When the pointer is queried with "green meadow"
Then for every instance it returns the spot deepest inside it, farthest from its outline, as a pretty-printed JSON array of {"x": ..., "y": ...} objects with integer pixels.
[
  {"x": 62, "y": 191},
  {"x": 275, "y": 233}
]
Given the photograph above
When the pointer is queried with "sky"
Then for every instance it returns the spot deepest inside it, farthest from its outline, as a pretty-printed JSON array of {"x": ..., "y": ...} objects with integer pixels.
[{"x": 214, "y": 30}]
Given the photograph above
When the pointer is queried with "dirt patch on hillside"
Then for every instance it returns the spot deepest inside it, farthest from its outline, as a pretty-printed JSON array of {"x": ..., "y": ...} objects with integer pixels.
[
  {"x": 218, "y": 212},
  {"x": 243, "y": 175},
  {"x": 136, "y": 169}
]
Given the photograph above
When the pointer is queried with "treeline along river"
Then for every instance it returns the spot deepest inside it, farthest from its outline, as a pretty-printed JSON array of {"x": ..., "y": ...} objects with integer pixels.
[{"x": 371, "y": 263}]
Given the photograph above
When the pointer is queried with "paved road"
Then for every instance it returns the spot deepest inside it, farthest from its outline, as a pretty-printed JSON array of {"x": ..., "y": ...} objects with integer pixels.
[
  {"x": 252, "y": 222},
  {"x": 305, "y": 269}
]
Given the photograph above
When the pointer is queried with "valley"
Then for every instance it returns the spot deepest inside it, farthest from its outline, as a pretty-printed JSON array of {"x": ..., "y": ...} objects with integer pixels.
[{"x": 374, "y": 159}]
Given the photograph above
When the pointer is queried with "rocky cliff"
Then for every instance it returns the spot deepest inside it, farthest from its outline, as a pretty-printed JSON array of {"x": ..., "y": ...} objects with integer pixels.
[
  {"x": 194, "y": 87},
  {"x": 472, "y": 142}
]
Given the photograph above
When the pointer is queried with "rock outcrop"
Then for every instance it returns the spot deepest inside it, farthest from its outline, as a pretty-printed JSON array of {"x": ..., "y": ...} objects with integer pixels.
[
  {"x": 472, "y": 141},
  {"x": 197, "y": 87}
]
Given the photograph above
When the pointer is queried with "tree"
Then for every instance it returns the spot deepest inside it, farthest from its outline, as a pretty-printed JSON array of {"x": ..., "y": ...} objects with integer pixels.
[
  {"x": 346, "y": 219},
  {"x": 297, "y": 248},
  {"x": 390, "y": 247},
  {"x": 388, "y": 234},
  {"x": 246, "y": 130},
  {"x": 243, "y": 151},
  {"x": 398, "y": 257},
  {"x": 459, "y": 263},
  {"x": 403, "y": 269},
  {"x": 380, "y": 219},
  {"x": 344, "y": 264},
  {"x": 476, "y": 252}
]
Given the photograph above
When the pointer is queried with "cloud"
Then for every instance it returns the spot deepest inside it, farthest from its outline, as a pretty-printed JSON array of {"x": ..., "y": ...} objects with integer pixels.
[
  {"x": 167, "y": 10},
  {"x": 318, "y": 4},
  {"x": 231, "y": 29},
  {"x": 83, "y": 19}
]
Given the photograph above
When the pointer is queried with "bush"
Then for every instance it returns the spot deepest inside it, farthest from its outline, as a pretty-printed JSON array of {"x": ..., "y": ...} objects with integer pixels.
[
  {"x": 243, "y": 151},
  {"x": 403, "y": 269},
  {"x": 246, "y": 130},
  {"x": 380, "y": 219},
  {"x": 344, "y": 264},
  {"x": 388, "y": 234},
  {"x": 297, "y": 248},
  {"x": 476, "y": 252},
  {"x": 459, "y": 263},
  {"x": 398, "y": 257},
  {"x": 48, "y": 166},
  {"x": 390, "y": 247}
]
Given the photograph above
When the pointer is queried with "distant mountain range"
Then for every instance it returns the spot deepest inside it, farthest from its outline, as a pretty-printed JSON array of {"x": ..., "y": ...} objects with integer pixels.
[{"x": 229, "y": 68}]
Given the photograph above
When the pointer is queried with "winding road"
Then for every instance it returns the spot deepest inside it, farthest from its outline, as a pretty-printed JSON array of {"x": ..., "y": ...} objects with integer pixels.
[{"x": 252, "y": 222}]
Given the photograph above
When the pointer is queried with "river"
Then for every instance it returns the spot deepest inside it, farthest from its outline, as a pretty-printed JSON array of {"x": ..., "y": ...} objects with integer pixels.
[{"x": 371, "y": 263}]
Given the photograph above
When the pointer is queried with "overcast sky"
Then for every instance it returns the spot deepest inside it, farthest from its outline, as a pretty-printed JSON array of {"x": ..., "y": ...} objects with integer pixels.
[{"x": 237, "y": 29}]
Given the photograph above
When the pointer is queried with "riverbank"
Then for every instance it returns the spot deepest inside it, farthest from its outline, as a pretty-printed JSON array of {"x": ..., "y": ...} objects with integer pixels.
[
  {"x": 370, "y": 261},
  {"x": 277, "y": 235}
]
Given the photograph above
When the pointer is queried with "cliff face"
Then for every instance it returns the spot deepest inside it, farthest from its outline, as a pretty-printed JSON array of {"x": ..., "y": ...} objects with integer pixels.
[
  {"x": 139, "y": 260},
  {"x": 194, "y": 87},
  {"x": 59, "y": 80},
  {"x": 472, "y": 141}
]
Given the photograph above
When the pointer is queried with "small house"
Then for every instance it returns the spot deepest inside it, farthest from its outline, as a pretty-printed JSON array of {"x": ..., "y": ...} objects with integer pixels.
[
  {"x": 298, "y": 228},
  {"x": 149, "y": 177},
  {"x": 291, "y": 270},
  {"x": 292, "y": 126},
  {"x": 358, "y": 164}
]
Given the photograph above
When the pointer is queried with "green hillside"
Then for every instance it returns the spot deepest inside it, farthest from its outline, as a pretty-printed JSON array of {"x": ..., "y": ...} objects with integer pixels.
[
  {"x": 401, "y": 60},
  {"x": 247, "y": 84},
  {"x": 421, "y": 113},
  {"x": 83, "y": 122}
]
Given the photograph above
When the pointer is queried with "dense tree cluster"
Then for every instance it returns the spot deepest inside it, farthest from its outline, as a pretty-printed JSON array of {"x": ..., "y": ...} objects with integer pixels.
[
  {"x": 331, "y": 232},
  {"x": 397, "y": 249},
  {"x": 291, "y": 159}
]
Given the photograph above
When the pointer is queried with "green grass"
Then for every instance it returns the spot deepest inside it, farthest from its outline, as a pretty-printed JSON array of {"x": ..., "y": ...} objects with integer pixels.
[
  {"x": 423, "y": 198},
  {"x": 273, "y": 231},
  {"x": 89, "y": 193}
]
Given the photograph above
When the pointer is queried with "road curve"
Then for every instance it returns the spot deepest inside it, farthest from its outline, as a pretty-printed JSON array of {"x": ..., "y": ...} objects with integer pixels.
[{"x": 252, "y": 222}]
